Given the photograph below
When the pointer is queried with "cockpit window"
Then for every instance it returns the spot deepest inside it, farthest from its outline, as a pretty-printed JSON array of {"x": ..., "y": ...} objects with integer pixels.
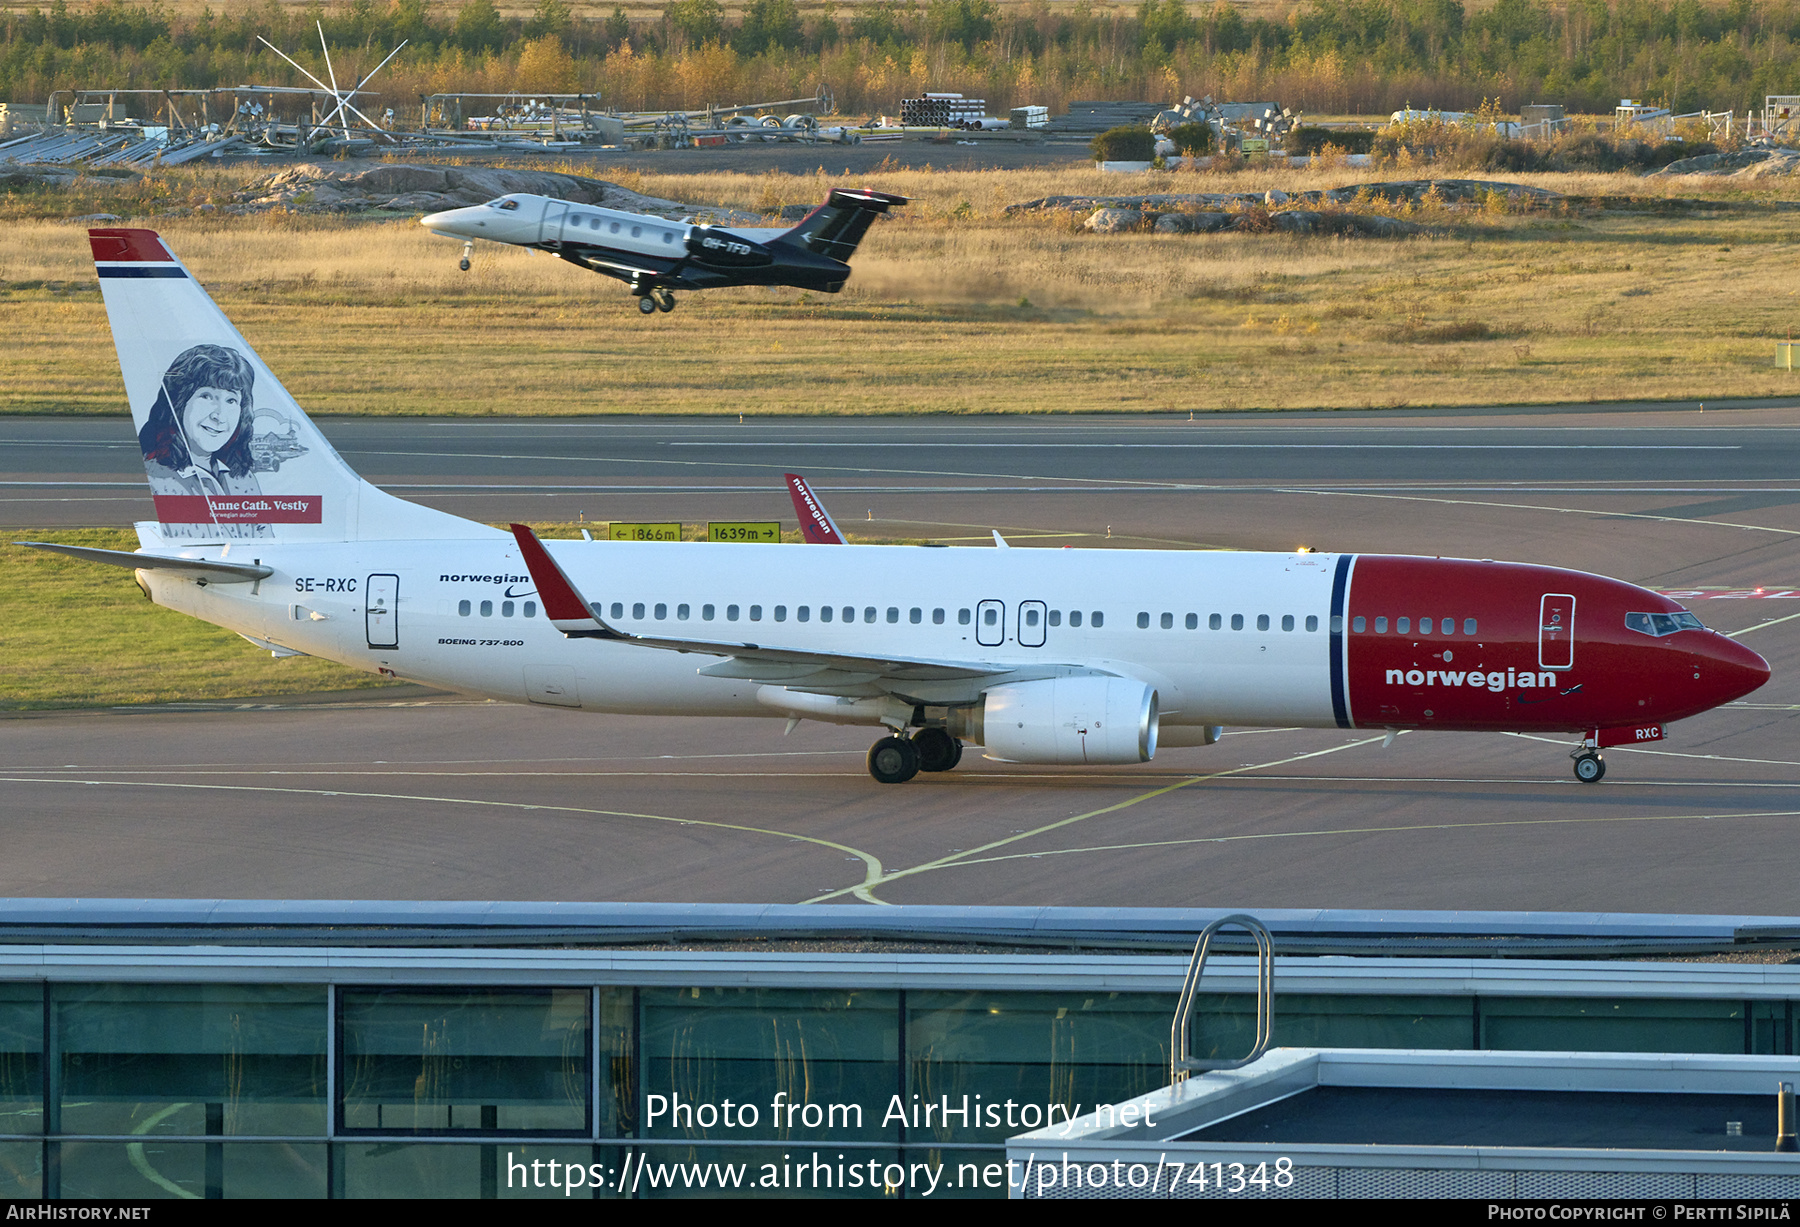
[
  {"x": 1657, "y": 625},
  {"x": 505, "y": 202}
]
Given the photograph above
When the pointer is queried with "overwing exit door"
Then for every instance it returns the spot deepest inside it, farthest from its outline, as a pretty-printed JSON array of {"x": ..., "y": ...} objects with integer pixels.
[
  {"x": 381, "y": 602},
  {"x": 1556, "y": 631},
  {"x": 990, "y": 623},
  {"x": 1031, "y": 624}
]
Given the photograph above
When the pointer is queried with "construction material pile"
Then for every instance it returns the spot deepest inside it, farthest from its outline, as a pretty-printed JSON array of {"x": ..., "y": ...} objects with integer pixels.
[
  {"x": 941, "y": 111},
  {"x": 1090, "y": 117}
]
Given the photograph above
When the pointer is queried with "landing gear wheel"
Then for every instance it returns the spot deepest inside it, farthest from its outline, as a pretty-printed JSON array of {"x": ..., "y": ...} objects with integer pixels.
[
  {"x": 1590, "y": 768},
  {"x": 892, "y": 760},
  {"x": 468, "y": 250},
  {"x": 463, "y": 264},
  {"x": 647, "y": 304},
  {"x": 665, "y": 301},
  {"x": 937, "y": 750}
]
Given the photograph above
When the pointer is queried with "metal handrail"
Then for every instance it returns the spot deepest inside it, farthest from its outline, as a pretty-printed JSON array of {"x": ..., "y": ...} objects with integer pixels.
[{"x": 1180, "y": 1063}]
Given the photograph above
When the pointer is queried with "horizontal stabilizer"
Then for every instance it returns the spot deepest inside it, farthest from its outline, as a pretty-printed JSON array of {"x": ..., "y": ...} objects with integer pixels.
[
  {"x": 217, "y": 570},
  {"x": 835, "y": 228}
]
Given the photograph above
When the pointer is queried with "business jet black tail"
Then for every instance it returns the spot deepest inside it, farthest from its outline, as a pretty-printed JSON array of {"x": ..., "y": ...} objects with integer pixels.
[{"x": 835, "y": 228}]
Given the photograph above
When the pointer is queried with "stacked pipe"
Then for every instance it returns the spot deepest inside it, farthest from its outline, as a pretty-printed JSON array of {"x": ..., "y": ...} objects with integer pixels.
[{"x": 941, "y": 111}]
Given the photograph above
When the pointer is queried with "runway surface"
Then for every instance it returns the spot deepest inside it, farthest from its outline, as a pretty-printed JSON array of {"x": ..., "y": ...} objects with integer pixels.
[{"x": 401, "y": 795}]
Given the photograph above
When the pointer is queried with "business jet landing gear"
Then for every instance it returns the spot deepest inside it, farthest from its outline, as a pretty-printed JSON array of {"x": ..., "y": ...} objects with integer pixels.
[
  {"x": 463, "y": 263},
  {"x": 665, "y": 301},
  {"x": 893, "y": 760},
  {"x": 1590, "y": 768},
  {"x": 937, "y": 750},
  {"x": 646, "y": 304}
]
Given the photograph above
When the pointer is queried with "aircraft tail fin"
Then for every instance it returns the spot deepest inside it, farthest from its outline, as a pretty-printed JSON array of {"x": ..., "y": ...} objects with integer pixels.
[
  {"x": 228, "y": 452},
  {"x": 835, "y": 228},
  {"x": 816, "y": 524}
]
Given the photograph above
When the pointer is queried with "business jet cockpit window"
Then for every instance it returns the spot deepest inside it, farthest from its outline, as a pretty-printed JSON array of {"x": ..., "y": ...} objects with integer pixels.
[
  {"x": 1656, "y": 625},
  {"x": 504, "y": 202}
]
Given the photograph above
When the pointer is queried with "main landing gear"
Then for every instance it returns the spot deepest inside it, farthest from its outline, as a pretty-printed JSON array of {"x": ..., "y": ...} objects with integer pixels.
[
  {"x": 652, "y": 301},
  {"x": 1590, "y": 768},
  {"x": 895, "y": 760}
]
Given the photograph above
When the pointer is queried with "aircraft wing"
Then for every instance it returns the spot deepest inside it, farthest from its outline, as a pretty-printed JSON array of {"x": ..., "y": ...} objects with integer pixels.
[
  {"x": 217, "y": 570},
  {"x": 816, "y": 672}
]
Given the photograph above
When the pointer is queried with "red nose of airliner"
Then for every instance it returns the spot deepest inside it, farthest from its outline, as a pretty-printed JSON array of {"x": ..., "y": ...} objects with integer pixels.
[{"x": 1728, "y": 669}]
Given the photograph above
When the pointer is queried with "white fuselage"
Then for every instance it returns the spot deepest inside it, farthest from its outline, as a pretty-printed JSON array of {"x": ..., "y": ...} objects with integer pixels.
[{"x": 466, "y": 616}]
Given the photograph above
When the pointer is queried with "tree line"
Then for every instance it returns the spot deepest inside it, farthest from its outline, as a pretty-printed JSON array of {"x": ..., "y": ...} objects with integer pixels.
[{"x": 1325, "y": 56}]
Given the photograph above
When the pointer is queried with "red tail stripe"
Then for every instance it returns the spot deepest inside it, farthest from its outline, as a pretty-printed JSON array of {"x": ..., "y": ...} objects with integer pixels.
[{"x": 129, "y": 246}]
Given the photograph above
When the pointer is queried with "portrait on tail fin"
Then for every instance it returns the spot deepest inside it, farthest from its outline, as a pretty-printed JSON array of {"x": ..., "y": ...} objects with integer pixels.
[{"x": 200, "y": 443}]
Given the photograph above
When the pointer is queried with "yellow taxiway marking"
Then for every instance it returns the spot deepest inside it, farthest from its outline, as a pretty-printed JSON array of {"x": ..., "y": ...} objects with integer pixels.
[
  {"x": 1760, "y": 625},
  {"x": 872, "y": 871},
  {"x": 866, "y": 890}
]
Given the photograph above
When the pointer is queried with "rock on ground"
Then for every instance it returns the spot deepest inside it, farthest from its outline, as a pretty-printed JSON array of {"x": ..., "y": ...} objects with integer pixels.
[
  {"x": 1745, "y": 163},
  {"x": 1450, "y": 191}
]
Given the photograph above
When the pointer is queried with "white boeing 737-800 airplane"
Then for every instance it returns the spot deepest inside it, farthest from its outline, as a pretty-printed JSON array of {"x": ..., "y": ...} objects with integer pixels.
[{"x": 1040, "y": 656}]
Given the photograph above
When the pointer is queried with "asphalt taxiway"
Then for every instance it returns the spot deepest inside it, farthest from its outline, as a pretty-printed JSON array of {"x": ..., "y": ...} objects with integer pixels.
[{"x": 408, "y": 795}]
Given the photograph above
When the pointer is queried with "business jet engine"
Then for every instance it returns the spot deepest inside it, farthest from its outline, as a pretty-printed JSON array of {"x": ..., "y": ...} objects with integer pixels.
[{"x": 1071, "y": 720}]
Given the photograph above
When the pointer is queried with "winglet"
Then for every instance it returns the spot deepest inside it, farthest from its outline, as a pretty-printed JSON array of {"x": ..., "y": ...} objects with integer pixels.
[
  {"x": 563, "y": 603},
  {"x": 816, "y": 524}
]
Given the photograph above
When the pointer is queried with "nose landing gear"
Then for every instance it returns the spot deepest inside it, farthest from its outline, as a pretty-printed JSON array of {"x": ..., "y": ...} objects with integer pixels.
[
  {"x": 463, "y": 263},
  {"x": 1590, "y": 768}
]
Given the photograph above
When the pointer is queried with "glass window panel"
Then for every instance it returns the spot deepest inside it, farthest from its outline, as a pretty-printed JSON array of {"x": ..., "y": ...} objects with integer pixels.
[
  {"x": 780, "y": 613},
  {"x": 637, "y": 610},
  {"x": 506, "y": 609},
  {"x": 462, "y": 608},
  {"x": 826, "y": 613},
  {"x": 937, "y": 617},
  {"x": 1237, "y": 622},
  {"x": 793, "y": 1050},
  {"x": 962, "y": 617},
  {"x": 191, "y": 1170},
  {"x": 1074, "y": 617},
  {"x": 1574, "y": 1024},
  {"x": 1032, "y": 1048},
  {"x": 190, "y": 1058},
  {"x": 487, "y": 609},
  {"x": 1098, "y": 619},
  {"x": 1403, "y": 626},
  {"x": 756, "y": 613},
  {"x": 21, "y": 1169},
  {"x": 21, "y": 1068},
  {"x": 446, "y": 1060},
  {"x": 1168, "y": 621},
  {"x": 893, "y": 613},
  {"x": 731, "y": 613},
  {"x": 1287, "y": 622},
  {"x": 1381, "y": 626},
  {"x": 424, "y": 1170},
  {"x": 707, "y": 612},
  {"x": 1056, "y": 617},
  {"x": 1262, "y": 622},
  {"x": 1215, "y": 622},
  {"x": 1193, "y": 622},
  {"x": 1424, "y": 626},
  {"x": 1312, "y": 623},
  {"x": 803, "y": 613},
  {"x": 1143, "y": 620},
  {"x": 531, "y": 609},
  {"x": 915, "y": 615},
  {"x": 662, "y": 611}
]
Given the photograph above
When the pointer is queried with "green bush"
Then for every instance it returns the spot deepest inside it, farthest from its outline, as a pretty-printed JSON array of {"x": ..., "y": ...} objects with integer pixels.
[
  {"x": 1193, "y": 139},
  {"x": 1124, "y": 145},
  {"x": 1304, "y": 142}
]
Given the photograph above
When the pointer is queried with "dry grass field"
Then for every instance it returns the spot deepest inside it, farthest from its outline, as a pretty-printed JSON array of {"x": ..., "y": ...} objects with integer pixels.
[{"x": 955, "y": 307}]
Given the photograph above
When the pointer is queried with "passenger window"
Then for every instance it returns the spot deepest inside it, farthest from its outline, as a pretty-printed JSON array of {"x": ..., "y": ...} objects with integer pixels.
[
  {"x": 1424, "y": 626},
  {"x": 1312, "y": 623},
  {"x": 1287, "y": 622},
  {"x": 990, "y": 616},
  {"x": 637, "y": 231},
  {"x": 1031, "y": 617},
  {"x": 706, "y": 612},
  {"x": 849, "y": 613},
  {"x": 1097, "y": 620},
  {"x": 1168, "y": 621},
  {"x": 531, "y": 609},
  {"x": 731, "y": 613},
  {"x": 1193, "y": 622},
  {"x": 1215, "y": 622},
  {"x": 1359, "y": 624},
  {"x": 781, "y": 613},
  {"x": 1468, "y": 626},
  {"x": 681, "y": 612},
  {"x": 462, "y": 607},
  {"x": 1381, "y": 626},
  {"x": 594, "y": 222},
  {"x": 824, "y": 613},
  {"x": 893, "y": 613},
  {"x": 506, "y": 609},
  {"x": 1237, "y": 622},
  {"x": 667, "y": 237},
  {"x": 1074, "y": 617},
  {"x": 1262, "y": 622},
  {"x": 937, "y": 617},
  {"x": 637, "y": 610},
  {"x": 487, "y": 609},
  {"x": 662, "y": 611},
  {"x": 868, "y": 613},
  {"x": 756, "y": 613},
  {"x": 915, "y": 615},
  {"x": 1056, "y": 617},
  {"x": 618, "y": 609},
  {"x": 615, "y": 227},
  {"x": 962, "y": 617},
  {"x": 1402, "y": 626},
  {"x": 1143, "y": 621},
  {"x": 803, "y": 613}
]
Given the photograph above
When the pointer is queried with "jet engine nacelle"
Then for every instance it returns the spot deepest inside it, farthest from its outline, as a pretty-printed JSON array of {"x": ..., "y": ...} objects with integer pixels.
[
  {"x": 1071, "y": 720},
  {"x": 722, "y": 250}
]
